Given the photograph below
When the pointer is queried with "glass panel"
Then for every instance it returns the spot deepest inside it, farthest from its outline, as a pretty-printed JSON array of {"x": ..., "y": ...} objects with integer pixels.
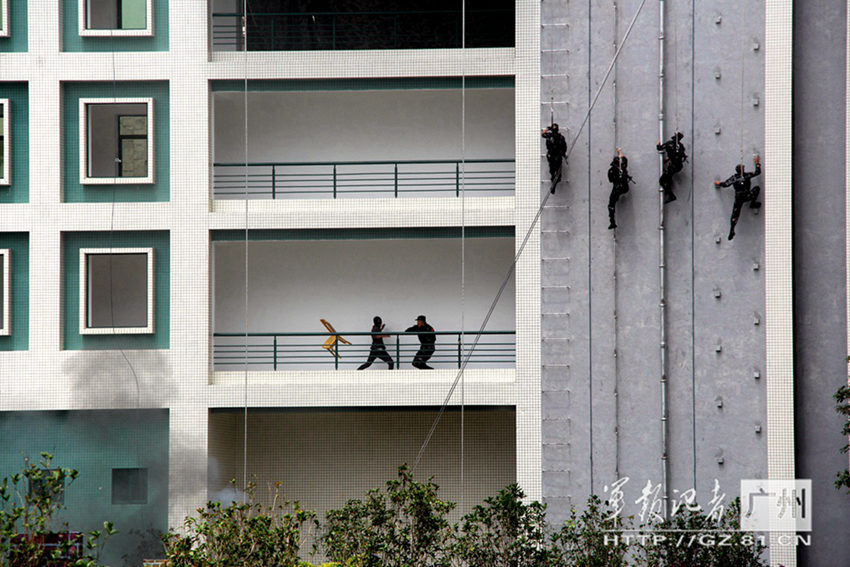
[
  {"x": 2, "y": 290},
  {"x": 102, "y": 15},
  {"x": 107, "y": 124},
  {"x": 117, "y": 290},
  {"x": 133, "y": 14},
  {"x": 132, "y": 133},
  {"x": 2, "y": 138}
]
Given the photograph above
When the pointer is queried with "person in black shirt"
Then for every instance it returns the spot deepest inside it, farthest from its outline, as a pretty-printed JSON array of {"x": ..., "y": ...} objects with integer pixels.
[
  {"x": 556, "y": 151},
  {"x": 426, "y": 342},
  {"x": 743, "y": 192},
  {"x": 618, "y": 175},
  {"x": 378, "y": 350},
  {"x": 674, "y": 160}
]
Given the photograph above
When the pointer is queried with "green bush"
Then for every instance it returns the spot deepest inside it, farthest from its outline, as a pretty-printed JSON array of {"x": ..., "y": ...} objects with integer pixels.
[
  {"x": 405, "y": 526},
  {"x": 30, "y": 534},
  {"x": 241, "y": 534},
  {"x": 505, "y": 531}
]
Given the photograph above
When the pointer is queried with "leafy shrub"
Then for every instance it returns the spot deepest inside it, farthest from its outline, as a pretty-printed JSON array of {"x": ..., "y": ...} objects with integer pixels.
[
  {"x": 30, "y": 535},
  {"x": 590, "y": 539},
  {"x": 245, "y": 534},
  {"x": 405, "y": 526},
  {"x": 504, "y": 532}
]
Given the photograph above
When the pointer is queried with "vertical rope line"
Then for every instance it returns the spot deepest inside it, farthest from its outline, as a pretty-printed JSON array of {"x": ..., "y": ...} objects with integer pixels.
[
  {"x": 245, "y": 196},
  {"x": 462, "y": 241},
  {"x": 741, "y": 120},
  {"x": 693, "y": 259},
  {"x": 674, "y": 22},
  {"x": 589, "y": 239},
  {"x": 116, "y": 173}
]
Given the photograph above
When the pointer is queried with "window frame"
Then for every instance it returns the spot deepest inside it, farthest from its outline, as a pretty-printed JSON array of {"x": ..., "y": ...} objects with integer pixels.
[
  {"x": 84, "y": 295},
  {"x": 4, "y": 18},
  {"x": 6, "y": 172},
  {"x": 6, "y": 255},
  {"x": 143, "y": 473},
  {"x": 85, "y": 158},
  {"x": 82, "y": 19}
]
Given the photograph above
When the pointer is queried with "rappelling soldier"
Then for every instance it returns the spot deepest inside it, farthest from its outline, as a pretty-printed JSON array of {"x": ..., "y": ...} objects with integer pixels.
[
  {"x": 556, "y": 151},
  {"x": 743, "y": 192},
  {"x": 618, "y": 175},
  {"x": 674, "y": 160}
]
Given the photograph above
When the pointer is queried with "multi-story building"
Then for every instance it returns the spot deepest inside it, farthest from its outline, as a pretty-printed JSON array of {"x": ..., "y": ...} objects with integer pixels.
[{"x": 203, "y": 205}]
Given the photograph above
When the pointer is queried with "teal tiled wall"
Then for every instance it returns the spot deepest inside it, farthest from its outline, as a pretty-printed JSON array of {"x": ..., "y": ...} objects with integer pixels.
[
  {"x": 17, "y": 40},
  {"x": 94, "y": 442},
  {"x": 18, "y": 243},
  {"x": 19, "y": 190},
  {"x": 71, "y": 244},
  {"x": 74, "y": 192}
]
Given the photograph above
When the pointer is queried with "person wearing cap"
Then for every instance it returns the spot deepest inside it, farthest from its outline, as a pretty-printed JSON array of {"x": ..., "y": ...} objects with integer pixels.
[
  {"x": 378, "y": 350},
  {"x": 674, "y": 159},
  {"x": 427, "y": 338},
  {"x": 556, "y": 151},
  {"x": 744, "y": 192}
]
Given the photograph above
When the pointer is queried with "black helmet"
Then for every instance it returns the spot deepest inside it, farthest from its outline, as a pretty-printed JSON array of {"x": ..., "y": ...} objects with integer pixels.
[
  {"x": 679, "y": 136},
  {"x": 554, "y": 127},
  {"x": 739, "y": 169},
  {"x": 376, "y": 320}
]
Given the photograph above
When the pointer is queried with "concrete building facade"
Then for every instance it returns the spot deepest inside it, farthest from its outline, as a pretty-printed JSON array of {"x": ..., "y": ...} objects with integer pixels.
[{"x": 186, "y": 193}]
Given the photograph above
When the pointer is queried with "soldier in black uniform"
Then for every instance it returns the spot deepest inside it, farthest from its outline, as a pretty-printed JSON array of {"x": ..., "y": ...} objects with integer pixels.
[
  {"x": 556, "y": 151},
  {"x": 427, "y": 338},
  {"x": 674, "y": 160},
  {"x": 378, "y": 350},
  {"x": 743, "y": 191},
  {"x": 618, "y": 175}
]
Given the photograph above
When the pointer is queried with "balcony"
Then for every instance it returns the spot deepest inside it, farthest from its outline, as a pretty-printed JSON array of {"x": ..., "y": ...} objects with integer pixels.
[
  {"x": 370, "y": 140},
  {"x": 311, "y": 26},
  {"x": 348, "y": 276},
  {"x": 347, "y": 350},
  {"x": 337, "y": 180}
]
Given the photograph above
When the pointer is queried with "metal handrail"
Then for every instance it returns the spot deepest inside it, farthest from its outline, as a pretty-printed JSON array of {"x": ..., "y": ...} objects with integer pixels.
[
  {"x": 277, "y": 350},
  {"x": 288, "y": 31},
  {"x": 346, "y": 178}
]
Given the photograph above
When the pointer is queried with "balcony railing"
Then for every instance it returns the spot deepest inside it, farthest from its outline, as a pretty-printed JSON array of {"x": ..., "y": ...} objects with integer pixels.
[
  {"x": 310, "y": 31},
  {"x": 296, "y": 351},
  {"x": 332, "y": 180}
]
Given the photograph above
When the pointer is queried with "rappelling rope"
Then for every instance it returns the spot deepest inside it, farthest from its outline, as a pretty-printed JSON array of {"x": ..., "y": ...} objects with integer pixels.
[{"x": 512, "y": 267}]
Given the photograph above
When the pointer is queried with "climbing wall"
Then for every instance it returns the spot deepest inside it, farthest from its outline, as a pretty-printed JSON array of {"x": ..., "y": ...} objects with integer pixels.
[{"x": 601, "y": 399}]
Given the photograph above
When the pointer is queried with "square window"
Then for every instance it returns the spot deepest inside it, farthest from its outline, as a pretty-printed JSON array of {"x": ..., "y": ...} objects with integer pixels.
[
  {"x": 129, "y": 486},
  {"x": 5, "y": 143},
  {"x": 5, "y": 292},
  {"x": 116, "y": 18},
  {"x": 39, "y": 487},
  {"x": 116, "y": 141},
  {"x": 116, "y": 291}
]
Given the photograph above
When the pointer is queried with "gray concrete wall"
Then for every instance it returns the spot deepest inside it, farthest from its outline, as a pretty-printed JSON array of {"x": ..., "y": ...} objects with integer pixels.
[
  {"x": 820, "y": 308},
  {"x": 601, "y": 288}
]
